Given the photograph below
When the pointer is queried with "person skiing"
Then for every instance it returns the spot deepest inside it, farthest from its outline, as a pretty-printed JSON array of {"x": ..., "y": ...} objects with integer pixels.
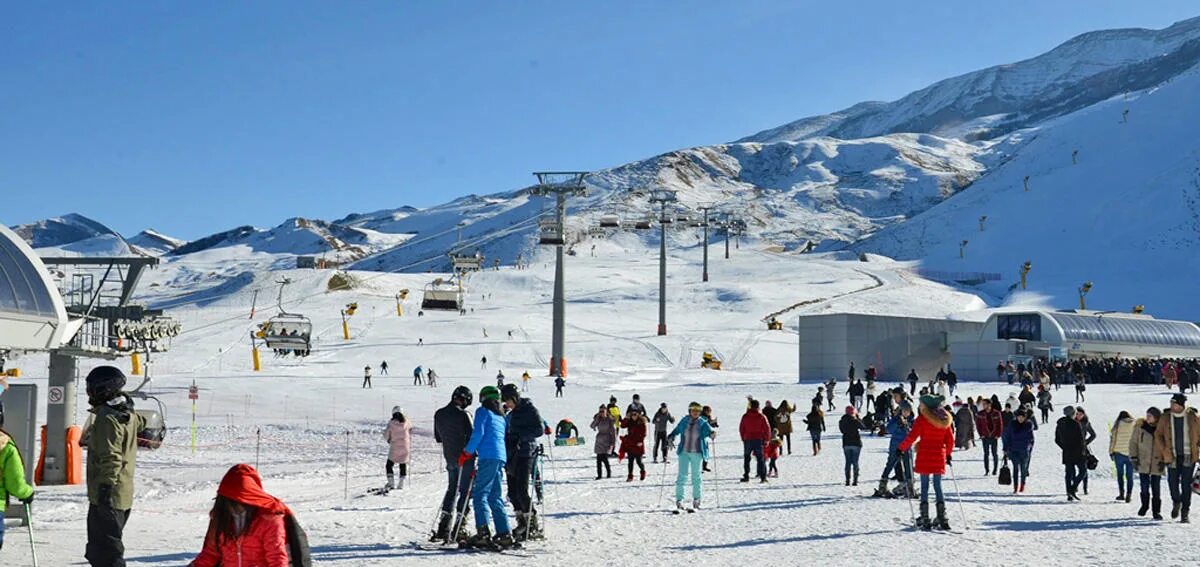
[
  {"x": 111, "y": 461},
  {"x": 755, "y": 433},
  {"x": 418, "y": 376},
  {"x": 912, "y": 381},
  {"x": 694, "y": 433},
  {"x": 1145, "y": 449},
  {"x": 934, "y": 452},
  {"x": 1069, "y": 437},
  {"x": 633, "y": 444},
  {"x": 247, "y": 526},
  {"x": 399, "y": 438},
  {"x": 602, "y": 423},
  {"x": 899, "y": 461},
  {"x": 815, "y": 420},
  {"x": 383, "y": 368},
  {"x": 1118, "y": 450},
  {"x": 852, "y": 445},
  {"x": 431, "y": 378},
  {"x": 990, "y": 425},
  {"x": 525, "y": 427},
  {"x": 1178, "y": 438},
  {"x": 487, "y": 447},
  {"x": 662, "y": 420},
  {"x": 1018, "y": 447},
  {"x": 452, "y": 429},
  {"x": 12, "y": 475},
  {"x": 367, "y": 377},
  {"x": 483, "y": 362},
  {"x": 783, "y": 424},
  {"x": 558, "y": 386}
]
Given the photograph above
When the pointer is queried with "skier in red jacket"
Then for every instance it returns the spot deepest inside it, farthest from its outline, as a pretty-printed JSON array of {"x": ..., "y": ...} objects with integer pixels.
[
  {"x": 933, "y": 430},
  {"x": 756, "y": 433}
]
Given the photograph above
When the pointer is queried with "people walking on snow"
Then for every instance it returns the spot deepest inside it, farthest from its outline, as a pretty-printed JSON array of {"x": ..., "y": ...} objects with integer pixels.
[
  {"x": 856, "y": 391},
  {"x": 247, "y": 526},
  {"x": 636, "y": 404},
  {"x": 912, "y": 382},
  {"x": 633, "y": 443},
  {"x": 1018, "y": 447},
  {"x": 1026, "y": 397},
  {"x": 1178, "y": 437},
  {"x": 755, "y": 433},
  {"x": 951, "y": 380},
  {"x": 1089, "y": 435},
  {"x": 418, "y": 376},
  {"x": 1068, "y": 435},
  {"x": 614, "y": 412},
  {"x": 819, "y": 399},
  {"x": 870, "y": 392},
  {"x": 829, "y": 386},
  {"x": 662, "y": 420},
  {"x": 483, "y": 362},
  {"x": 452, "y": 429},
  {"x": 524, "y": 426},
  {"x": 12, "y": 474},
  {"x": 934, "y": 452},
  {"x": 852, "y": 445},
  {"x": 1045, "y": 403},
  {"x": 691, "y": 451},
  {"x": 1146, "y": 450},
  {"x": 898, "y": 427},
  {"x": 558, "y": 386},
  {"x": 707, "y": 413},
  {"x": 815, "y": 421},
  {"x": 964, "y": 426},
  {"x": 990, "y": 425},
  {"x": 399, "y": 438},
  {"x": 383, "y": 368},
  {"x": 367, "y": 377},
  {"x": 499, "y": 379},
  {"x": 774, "y": 449},
  {"x": 525, "y": 381},
  {"x": 487, "y": 447},
  {"x": 850, "y": 372},
  {"x": 783, "y": 424},
  {"x": 111, "y": 461},
  {"x": 602, "y": 424},
  {"x": 1080, "y": 388},
  {"x": 1118, "y": 449},
  {"x": 772, "y": 414}
]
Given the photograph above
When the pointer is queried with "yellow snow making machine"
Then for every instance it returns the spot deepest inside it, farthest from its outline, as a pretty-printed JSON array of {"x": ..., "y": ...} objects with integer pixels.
[{"x": 709, "y": 361}]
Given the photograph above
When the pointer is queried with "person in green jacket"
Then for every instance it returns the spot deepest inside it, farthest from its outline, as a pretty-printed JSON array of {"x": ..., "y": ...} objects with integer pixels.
[
  {"x": 12, "y": 476},
  {"x": 112, "y": 453}
]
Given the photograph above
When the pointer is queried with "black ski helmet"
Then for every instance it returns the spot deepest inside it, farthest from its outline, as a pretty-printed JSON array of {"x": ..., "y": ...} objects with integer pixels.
[
  {"x": 463, "y": 394},
  {"x": 510, "y": 392},
  {"x": 104, "y": 383}
]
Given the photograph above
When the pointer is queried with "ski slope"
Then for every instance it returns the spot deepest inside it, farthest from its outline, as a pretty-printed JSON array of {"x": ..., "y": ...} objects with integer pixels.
[{"x": 317, "y": 436}]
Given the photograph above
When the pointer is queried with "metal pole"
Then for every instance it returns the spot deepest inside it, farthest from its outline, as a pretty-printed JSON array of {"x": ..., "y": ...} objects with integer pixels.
[
  {"x": 560, "y": 304},
  {"x": 705, "y": 277},
  {"x": 59, "y": 416},
  {"x": 662, "y": 272},
  {"x": 727, "y": 239}
]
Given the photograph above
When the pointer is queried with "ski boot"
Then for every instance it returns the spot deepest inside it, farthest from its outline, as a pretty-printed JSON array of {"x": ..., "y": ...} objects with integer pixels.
[
  {"x": 941, "y": 522},
  {"x": 882, "y": 491},
  {"x": 481, "y": 540},
  {"x": 505, "y": 541},
  {"x": 923, "y": 523},
  {"x": 442, "y": 533},
  {"x": 679, "y": 509},
  {"x": 696, "y": 505},
  {"x": 400, "y": 481},
  {"x": 388, "y": 487}
]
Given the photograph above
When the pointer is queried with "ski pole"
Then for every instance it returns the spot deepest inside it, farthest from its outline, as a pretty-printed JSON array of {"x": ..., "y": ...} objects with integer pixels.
[
  {"x": 958, "y": 496},
  {"x": 29, "y": 524},
  {"x": 908, "y": 481},
  {"x": 462, "y": 507},
  {"x": 715, "y": 483}
]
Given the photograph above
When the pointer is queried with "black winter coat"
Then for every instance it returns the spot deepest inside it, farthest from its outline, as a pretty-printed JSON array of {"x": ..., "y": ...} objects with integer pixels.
[
  {"x": 452, "y": 428},
  {"x": 849, "y": 426},
  {"x": 525, "y": 427},
  {"x": 1069, "y": 437}
]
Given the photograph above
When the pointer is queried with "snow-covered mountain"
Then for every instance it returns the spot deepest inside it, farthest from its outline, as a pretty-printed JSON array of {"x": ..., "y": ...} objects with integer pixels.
[
  {"x": 154, "y": 243},
  {"x": 1089, "y": 68},
  {"x": 299, "y": 236},
  {"x": 73, "y": 235}
]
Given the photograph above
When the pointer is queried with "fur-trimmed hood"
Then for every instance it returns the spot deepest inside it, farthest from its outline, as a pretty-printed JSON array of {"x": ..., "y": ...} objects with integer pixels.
[{"x": 939, "y": 418}]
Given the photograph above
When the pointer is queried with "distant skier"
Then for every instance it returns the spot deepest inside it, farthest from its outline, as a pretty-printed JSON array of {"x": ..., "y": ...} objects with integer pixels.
[
  {"x": 694, "y": 433},
  {"x": 431, "y": 378},
  {"x": 662, "y": 420},
  {"x": 420, "y": 341},
  {"x": 399, "y": 437},
  {"x": 452, "y": 428},
  {"x": 499, "y": 379},
  {"x": 898, "y": 461},
  {"x": 483, "y": 362},
  {"x": 418, "y": 376},
  {"x": 558, "y": 386},
  {"x": 366, "y": 377},
  {"x": 383, "y": 368},
  {"x": 525, "y": 377}
]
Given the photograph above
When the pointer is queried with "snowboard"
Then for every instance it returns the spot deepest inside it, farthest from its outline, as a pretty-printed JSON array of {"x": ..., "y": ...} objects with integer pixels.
[{"x": 570, "y": 442}]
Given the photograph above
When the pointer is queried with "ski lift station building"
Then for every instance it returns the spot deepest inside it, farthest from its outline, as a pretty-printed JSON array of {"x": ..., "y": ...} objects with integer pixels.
[{"x": 896, "y": 344}]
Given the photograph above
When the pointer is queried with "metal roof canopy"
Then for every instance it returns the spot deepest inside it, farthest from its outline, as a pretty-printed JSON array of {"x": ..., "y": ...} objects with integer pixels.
[
  {"x": 1117, "y": 328},
  {"x": 32, "y": 312}
]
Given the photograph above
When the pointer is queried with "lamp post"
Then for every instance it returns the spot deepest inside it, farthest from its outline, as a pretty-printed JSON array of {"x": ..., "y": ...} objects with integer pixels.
[
  {"x": 1083, "y": 291},
  {"x": 962, "y": 247},
  {"x": 662, "y": 197},
  {"x": 1028, "y": 265}
]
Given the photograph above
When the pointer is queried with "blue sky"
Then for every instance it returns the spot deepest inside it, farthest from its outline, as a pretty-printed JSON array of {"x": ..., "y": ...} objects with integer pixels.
[{"x": 197, "y": 117}]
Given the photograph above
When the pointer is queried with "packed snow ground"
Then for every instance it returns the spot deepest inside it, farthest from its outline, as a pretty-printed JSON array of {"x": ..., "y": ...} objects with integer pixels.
[{"x": 321, "y": 434}]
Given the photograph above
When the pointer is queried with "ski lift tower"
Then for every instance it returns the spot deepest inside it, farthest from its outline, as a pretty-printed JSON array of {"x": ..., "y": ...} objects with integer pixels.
[
  {"x": 560, "y": 185},
  {"x": 663, "y": 197},
  {"x": 704, "y": 209}
]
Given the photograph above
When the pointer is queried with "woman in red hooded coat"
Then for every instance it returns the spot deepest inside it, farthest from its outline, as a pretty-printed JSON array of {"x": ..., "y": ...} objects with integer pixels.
[
  {"x": 246, "y": 525},
  {"x": 633, "y": 444},
  {"x": 936, "y": 435}
]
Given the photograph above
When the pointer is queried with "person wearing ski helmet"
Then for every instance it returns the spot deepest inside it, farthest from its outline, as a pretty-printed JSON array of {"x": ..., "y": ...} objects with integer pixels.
[
  {"x": 524, "y": 427},
  {"x": 693, "y": 432},
  {"x": 487, "y": 446},
  {"x": 452, "y": 429},
  {"x": 399, "y": 437},
  {"x": 111, "y": 460},
  {"x": 936, "y": 435}
]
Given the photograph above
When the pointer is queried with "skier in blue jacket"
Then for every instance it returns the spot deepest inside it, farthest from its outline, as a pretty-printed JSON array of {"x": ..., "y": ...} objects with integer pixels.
[
  {"x": 693, "y": 432},
  {"x": 897, "y": 427},
  {"x": 487, "y": 443}
]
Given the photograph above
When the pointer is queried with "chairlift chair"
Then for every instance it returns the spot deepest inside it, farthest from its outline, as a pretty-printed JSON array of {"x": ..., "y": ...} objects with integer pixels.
[
  {"x": 610, "y": 221},
  {"x": 438, "y": 295},
  {"x": 287, "y": 332},
  {"x": 551, "y": 232},
  {"x": 642, "y": 224}
]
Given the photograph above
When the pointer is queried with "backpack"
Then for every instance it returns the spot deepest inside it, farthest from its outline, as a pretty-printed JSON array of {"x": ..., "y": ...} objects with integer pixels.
[{"x": 297, "y": 543}]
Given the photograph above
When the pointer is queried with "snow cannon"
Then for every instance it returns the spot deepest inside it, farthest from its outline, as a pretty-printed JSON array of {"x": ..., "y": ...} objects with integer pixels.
[
  {"x": 709, "y": 361},
  {"x": 774, "y": 324}
]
